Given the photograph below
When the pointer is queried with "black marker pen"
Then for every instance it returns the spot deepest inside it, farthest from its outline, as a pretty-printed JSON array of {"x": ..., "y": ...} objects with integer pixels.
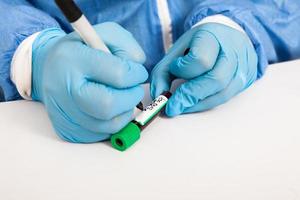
[{"x": 81, "y": 25}]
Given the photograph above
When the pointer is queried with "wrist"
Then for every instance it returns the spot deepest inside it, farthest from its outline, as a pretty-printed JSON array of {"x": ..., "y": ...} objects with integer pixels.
[
  {"x": 220, "y": 19},
  {"x": 40, "y": 48}
]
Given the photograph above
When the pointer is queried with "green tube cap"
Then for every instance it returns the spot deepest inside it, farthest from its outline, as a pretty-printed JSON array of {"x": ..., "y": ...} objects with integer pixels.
[{"x": 126, "y": 137}]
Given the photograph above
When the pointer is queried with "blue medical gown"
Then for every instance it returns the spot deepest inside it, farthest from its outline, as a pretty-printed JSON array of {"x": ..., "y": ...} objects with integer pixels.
[{"x": 272, "y": 25}]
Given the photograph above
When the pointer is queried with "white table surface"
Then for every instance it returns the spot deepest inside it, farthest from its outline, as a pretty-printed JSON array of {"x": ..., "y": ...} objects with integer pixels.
[{"x": 246, "y": 149}]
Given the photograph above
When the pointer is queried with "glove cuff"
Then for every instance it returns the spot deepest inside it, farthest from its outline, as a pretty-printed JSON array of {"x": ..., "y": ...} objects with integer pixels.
[
  {"x": 22, "y": 61},
  {"x": 221, "y": 19},
  {"x": 40, "y": 48},
  {"x": 20, "y": 71}
]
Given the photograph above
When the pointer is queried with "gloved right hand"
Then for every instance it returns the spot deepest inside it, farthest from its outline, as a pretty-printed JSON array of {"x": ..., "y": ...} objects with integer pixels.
[{"x": 88, "y": 94}]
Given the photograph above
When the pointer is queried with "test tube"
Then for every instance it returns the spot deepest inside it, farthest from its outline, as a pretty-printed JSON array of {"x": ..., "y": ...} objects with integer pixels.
[{"x": 132, "y": 131}]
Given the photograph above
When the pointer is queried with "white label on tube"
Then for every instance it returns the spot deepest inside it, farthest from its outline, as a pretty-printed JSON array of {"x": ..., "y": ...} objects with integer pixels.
[{"x": 151, "y": 110}]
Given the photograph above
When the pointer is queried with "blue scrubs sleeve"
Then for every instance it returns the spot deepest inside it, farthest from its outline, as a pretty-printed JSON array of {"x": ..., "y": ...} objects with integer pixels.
[
  {"x": 18, "y": 20},
  {"x": 272, "y": 25}
]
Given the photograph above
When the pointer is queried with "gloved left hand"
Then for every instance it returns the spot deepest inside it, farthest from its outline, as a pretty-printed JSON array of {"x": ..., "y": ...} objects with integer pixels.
[{"x": 221, "y": 63}]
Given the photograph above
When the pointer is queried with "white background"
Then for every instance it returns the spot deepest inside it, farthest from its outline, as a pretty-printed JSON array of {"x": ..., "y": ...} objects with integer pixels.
[{"x": 246, "y": 149}]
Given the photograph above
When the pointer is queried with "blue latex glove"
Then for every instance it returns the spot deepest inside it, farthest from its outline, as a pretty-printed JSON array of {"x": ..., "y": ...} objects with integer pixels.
[
  {"x": 88, "y": 94},
  {"x": 221, "y": 63}
]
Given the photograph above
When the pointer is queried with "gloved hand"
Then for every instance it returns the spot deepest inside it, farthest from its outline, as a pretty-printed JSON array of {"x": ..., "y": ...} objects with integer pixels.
[
  {"x": 221, "y": 63},
  {"x": 88, "y": 94}
]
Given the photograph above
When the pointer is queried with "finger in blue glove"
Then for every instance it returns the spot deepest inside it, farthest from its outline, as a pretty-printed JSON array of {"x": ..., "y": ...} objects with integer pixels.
[{"x": 221, "y": 63}]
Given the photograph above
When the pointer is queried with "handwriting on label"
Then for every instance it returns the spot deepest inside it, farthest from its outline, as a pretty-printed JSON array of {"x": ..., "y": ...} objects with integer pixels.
[{"x": 155, "y": 103}]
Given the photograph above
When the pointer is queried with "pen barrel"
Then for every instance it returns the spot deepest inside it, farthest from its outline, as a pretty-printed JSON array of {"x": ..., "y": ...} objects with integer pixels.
[
  {"x": 88, "y": 34},
  {"x": 81, "y": 25},
  {"x": 70, "y": 9}
]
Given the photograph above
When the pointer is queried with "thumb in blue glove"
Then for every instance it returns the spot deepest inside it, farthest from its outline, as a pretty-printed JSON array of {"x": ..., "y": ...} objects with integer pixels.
[
  {"x": 88, "y": 94},
  {"x": 221, "y": 63}
]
